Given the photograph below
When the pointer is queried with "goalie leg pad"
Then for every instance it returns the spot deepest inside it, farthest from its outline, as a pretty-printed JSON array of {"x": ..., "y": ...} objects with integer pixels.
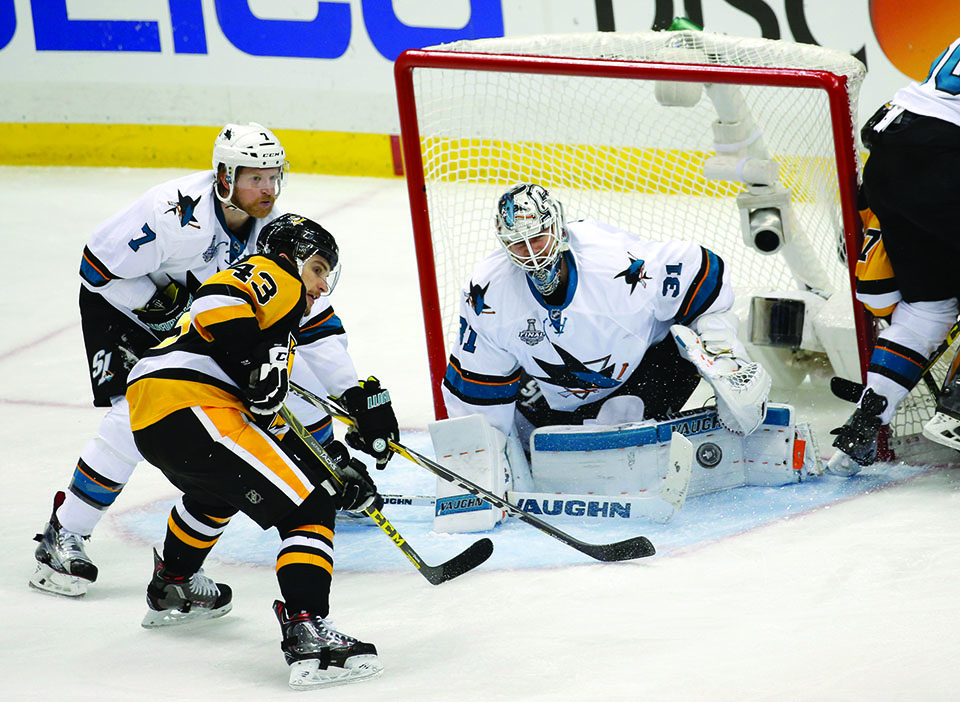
[
  {"x": 470, "y": 447},
  {"x": 634, "y": 458}
]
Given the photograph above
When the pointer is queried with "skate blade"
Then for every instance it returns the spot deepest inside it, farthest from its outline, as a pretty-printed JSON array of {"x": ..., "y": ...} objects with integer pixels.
[
  {"x": 308, "y": 675},
  {"x": 942, "y": 429},
  {"x": 842, "y": 465},
  {"x": 52, "y": 582},
  {"x": 174, "y": 617}
]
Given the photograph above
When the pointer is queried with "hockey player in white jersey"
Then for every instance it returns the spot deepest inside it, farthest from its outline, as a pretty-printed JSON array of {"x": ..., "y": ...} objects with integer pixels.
[
  {"x": 581, "y": 322},
  {"x": 912, "y": 185},
  {"x": 138, "y": 273}
]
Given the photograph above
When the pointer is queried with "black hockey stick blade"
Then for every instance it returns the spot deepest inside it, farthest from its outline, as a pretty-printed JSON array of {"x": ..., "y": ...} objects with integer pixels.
[
  {"x": 637, "y": 547},
  {"x": 476, "y": 553},
  {"x": 847, "y": 390}
]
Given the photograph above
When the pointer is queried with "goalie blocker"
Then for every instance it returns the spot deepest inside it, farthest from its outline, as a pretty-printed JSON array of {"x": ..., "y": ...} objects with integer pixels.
[{"x": 627, "y": 471}]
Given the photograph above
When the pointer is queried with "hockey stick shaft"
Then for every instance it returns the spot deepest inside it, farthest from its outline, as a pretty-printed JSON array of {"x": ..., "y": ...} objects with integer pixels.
[
  {"x": 636, "y": 547},
  {"x": 475, "y": 554}
]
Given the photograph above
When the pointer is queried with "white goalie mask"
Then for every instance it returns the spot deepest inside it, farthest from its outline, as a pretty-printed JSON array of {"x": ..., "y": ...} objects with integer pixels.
[
  {"x": 530, "y": 227},
  {"x": 251, "y": 146}
]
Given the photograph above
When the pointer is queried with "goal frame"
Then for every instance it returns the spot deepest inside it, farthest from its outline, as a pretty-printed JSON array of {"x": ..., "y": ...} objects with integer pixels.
[{"x": 835, "y": 86}]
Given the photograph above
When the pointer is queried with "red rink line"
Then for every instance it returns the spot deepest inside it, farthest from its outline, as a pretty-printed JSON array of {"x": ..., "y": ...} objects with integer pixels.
[
  {"x": 36, "y": 342},
  {"x": 27, "y": 347}
]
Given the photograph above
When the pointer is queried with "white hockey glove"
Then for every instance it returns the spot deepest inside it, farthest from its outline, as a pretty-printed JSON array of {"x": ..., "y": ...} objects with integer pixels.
[
  {"x": 269, "y": 382},
  {"x": 741, "y": 386}
]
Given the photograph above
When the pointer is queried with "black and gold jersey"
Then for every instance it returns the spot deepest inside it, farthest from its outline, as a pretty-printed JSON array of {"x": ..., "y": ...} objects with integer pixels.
[
  {"x": 876, "y": 285},
  {"x": 256, "y": 303}
]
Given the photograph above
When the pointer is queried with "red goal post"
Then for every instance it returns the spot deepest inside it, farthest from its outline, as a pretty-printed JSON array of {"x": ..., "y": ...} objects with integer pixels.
[{"x": 488, "y": 171}]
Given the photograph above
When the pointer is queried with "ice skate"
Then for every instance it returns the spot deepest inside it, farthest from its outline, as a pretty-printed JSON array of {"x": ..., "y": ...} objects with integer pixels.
[
  {"x": 318, "y": 655},
  {"x": 174, "y": 600},
  {"x": 943, "y": 429},
  {"x": 63, "y": 567},
  {"x": 857, "y": 439}
]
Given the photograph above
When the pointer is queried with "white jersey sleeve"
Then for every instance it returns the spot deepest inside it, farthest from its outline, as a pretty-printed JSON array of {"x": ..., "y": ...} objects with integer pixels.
[
  {"x": 691, "y": 280},
  {"x": 322, "y": 365},
  {"x": 322, "y": 345},
  {"x": 466, "y": 388}
]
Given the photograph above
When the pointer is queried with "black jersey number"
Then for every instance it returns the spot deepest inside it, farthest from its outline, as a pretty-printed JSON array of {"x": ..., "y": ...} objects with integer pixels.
[{"x": 264, "y": 287}]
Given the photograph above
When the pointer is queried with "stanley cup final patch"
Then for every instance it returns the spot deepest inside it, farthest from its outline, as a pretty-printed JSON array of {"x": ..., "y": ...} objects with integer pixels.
[{"x": 531, "y": 335}]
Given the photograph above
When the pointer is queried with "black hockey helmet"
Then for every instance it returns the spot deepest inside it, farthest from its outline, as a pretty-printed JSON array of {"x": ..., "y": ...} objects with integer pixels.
[{"x": 300, "y": 238}]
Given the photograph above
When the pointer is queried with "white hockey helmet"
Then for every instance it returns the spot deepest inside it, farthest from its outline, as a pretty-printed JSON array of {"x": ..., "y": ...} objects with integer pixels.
[
  {"x": 249, "y": 145},
  {"x": 527, "y": 212}
]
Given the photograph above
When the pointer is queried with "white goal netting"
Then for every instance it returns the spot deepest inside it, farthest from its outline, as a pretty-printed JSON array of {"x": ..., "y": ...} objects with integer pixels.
[{"x": 659, "y": 153}]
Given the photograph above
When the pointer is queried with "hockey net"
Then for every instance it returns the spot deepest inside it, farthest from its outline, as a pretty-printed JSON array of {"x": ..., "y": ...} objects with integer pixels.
[{"x": 621, "y": 128}]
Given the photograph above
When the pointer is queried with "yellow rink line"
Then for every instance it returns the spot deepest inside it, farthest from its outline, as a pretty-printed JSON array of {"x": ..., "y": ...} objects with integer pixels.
[{"x": 168, "y": 146}]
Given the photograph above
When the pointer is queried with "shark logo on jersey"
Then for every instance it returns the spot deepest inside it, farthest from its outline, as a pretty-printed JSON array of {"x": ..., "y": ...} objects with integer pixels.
[
  {"x": 634, "y": 273},
  {"x": 184, "y": 208},
  {"x": 574, "y": 376},
  {"x": 475, "y": 299},
  {"x": 531, "y": 335}
]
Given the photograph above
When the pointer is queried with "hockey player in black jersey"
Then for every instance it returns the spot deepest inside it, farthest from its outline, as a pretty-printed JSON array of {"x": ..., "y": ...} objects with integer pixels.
[
  {"x": 139, "y": 272},
  {"x": 202, "y": 405},
  {"x": 912, "y": 185}
]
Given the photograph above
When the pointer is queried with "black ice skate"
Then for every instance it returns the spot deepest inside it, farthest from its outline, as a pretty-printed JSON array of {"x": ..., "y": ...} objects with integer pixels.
[
  {"x": 181, "y": 599},
  {"x": 319, "y": 655},
  {"x": 857, "y": 439},
  {"x": 63, "y": 567}
]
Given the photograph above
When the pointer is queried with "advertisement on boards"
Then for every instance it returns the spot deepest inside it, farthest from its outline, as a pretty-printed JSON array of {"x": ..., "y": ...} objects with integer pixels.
[{"x": 327, "y": 66}]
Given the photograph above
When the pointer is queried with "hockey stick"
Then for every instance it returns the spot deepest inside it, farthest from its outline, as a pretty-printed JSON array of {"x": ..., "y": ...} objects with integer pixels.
[
  {"x": 636, "y": 547},
  {"x": 475, "y": 554},
  {"x": 850, "y": 390}
]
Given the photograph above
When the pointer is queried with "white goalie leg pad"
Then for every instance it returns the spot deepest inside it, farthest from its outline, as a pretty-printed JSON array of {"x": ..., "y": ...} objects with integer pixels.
[
  {"x": 633, "y": 459},
  {"x": 741, "y": 386},
  {"x": 473, "y": 449},
  {"x": 583, "y": 458}
]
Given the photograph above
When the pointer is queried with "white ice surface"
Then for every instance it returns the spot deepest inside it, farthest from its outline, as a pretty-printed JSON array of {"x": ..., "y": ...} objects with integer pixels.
[{"x": 858, "y": 601}]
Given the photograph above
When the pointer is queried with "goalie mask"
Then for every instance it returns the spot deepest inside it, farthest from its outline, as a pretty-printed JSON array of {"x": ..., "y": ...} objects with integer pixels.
[
  {"x": 530, "y": 227},
  {"x": 300, "y": 238},
  {"x": 250, "y": 146}
]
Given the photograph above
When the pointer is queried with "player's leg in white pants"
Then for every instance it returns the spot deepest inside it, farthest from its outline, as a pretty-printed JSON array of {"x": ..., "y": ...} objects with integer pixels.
[
  {"x": 916, "y": 330},
  {"x": 105, "y": 466}
]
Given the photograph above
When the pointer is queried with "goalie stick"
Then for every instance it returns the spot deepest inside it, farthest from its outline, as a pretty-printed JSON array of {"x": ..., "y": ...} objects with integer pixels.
[
  {"x": 476, "y": 553},
  {"x": 628, "y": 549}
]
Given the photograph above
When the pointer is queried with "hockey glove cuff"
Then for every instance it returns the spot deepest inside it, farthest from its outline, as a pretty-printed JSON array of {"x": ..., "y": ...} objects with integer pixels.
[
  {"x": 376, "y": 424},
  {"x": 269, "y": 381},
  {"x": 165, "y": 307},
  {"x": 357, "y": 491}
]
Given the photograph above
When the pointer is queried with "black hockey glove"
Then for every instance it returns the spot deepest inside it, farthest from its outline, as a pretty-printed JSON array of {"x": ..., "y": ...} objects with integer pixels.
[
  {"x": 165, "y": 307},
  {"x": 269, "y": 381},
  {"x": 357, "y": 493},
  {"x": 376, "y": 424}
]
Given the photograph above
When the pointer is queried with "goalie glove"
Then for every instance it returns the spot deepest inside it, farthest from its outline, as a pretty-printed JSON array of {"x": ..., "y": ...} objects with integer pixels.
[
  {"x": 356, "y": 491},
  {"x": 269, "y": 380},
  {"x": 165, "y": 307},
  {"x": 376, "y": 424},
  {"x": 741, "y": 386}
]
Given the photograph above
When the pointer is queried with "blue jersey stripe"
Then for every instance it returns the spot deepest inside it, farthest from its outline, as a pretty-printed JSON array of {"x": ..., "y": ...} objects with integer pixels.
[
  {"x": 480, "y": 389},
  {"x": 93, "y": 271}
]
